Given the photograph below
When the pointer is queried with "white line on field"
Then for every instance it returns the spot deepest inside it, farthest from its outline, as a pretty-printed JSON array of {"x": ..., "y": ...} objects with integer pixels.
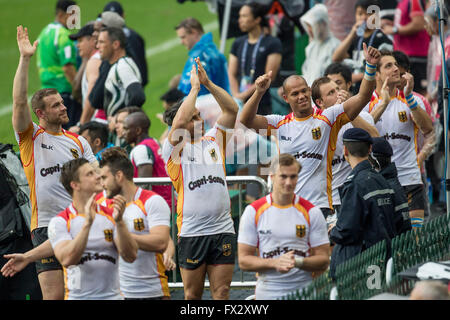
[{"x": 151, "y": 51}]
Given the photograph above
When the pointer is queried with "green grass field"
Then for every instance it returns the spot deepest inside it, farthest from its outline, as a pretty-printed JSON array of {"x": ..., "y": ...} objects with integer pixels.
[{"x": 153, "y": 19}]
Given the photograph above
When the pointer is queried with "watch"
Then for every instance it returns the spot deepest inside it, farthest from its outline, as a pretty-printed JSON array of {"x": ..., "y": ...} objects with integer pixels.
[{"x": 395, "y": 30}]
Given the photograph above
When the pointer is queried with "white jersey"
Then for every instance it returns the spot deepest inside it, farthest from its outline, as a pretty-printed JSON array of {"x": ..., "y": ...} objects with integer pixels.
[
  {"x": 398, "y": 128},
  {"x": 122, "y": 73},
  {"x": 43, "y": 155},
  {"x": 96, "y": 276},
  {"x": 340, "y": 168},
  {"x": 145, "y": 277},
  {"x": 275, "y": 230},
  {"x": 84, "y": 82},
  {"x": 203, "y": 206},
  {"x": 312, "y": 141}
]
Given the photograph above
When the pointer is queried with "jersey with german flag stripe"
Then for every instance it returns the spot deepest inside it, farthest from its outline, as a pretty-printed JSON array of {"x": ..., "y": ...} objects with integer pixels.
[
  {"x": 398, "y": 128},
  {"x": 275, "y": 230},
  {"x": 43, "y": 154},
  {"x": 312, "y": 141},
  {"x": 197, "y": 171},
  {"x": 96, "y": 276},
  {"x": 145, "y": 277}
]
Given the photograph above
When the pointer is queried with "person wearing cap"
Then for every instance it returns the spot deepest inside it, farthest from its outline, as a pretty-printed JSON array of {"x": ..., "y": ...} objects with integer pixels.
[
  {"x": 367, "y": 211},
  {"x": 201, "y": 45},
  {"x": 88, "y": 72},
  {"x": 57, "y": 60},
  {"x": 135, "y": 42},
  {"x": 381, "y": 161}
]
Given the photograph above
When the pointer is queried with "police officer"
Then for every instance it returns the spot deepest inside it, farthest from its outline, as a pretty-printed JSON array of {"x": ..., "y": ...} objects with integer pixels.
[
  {"x": 367, "y": 211},
  {"x": 382, "y": 153}
]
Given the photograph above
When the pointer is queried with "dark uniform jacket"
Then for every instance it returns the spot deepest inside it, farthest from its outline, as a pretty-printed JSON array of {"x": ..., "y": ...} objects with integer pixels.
[
  {"x": 402, "y": 221},
  {"x": 366, "y": 216}
]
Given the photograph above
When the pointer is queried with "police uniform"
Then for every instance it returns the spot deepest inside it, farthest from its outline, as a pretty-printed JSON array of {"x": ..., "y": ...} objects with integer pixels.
[{"x": 367, "y": 212}]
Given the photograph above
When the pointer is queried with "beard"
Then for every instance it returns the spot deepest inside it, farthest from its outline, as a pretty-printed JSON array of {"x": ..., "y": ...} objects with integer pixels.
[{"x": 112, "y": 192}]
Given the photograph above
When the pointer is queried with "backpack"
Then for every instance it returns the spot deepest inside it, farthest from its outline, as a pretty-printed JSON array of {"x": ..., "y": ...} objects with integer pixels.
[{"x": 14, "y": 186}]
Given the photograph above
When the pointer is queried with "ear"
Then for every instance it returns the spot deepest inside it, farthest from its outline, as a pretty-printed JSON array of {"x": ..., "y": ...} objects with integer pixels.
[
  {"x": 74, "y": 185},
  {"x": 319, "y": 103},
  {"x": 345, "y": 151},
  {"x": 97, "y": 142},
  {"x": 119, "y": 176},
  {"x": 40, "y": 113},
  {"x": 116, "y": 44}
]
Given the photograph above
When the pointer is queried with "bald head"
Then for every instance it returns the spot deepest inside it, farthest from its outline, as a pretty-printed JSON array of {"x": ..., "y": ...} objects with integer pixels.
[
  {"x": 429, "y": 290},
  {"x": 290, "y": 81},
  {"x": 138, "y": 120}
]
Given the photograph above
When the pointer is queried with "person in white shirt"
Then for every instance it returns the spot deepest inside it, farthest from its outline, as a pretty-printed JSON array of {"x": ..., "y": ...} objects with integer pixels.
[
  {"x": 147, "y": 216},
  {"x": 309, "y": 134},
  {"x": 195, "y": 163},
  {"x": 282, "y": 236}
]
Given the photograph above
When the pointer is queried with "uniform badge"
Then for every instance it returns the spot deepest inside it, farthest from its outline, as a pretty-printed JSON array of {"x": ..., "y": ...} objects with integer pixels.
[
  {"x": 108, "y": 235},
  {"x": 213, "y": 154},
  {"x": 139, "y": 224},
  {"x": 74, "y": 153},
  {"x": 316, "y": 134},
  {"x": 300, "y": 230},
  {"x": 226, "y": 249},
  {"x": 402, "y": 116}
]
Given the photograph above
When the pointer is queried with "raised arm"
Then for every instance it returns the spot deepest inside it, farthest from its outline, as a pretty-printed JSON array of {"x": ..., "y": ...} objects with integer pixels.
[
  {"x": 419, "y": 116},
  {"x": 226, "y": 102},
  {"x": 248, "y": 116},
  {"x": 21, "y": 115},
  {"x": 355, "y": 104}
]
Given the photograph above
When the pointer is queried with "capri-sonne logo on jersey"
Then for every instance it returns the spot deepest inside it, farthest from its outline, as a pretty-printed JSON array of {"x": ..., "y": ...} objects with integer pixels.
[
  {"x": 108, "y": 235},
  {"x": 300, "y": 230},
  {"x": 74, "y": 153},
  {"x": 139, "y": 224},
  {"x": 316, "y": 134},
  {"x": 402, "y": 116}
]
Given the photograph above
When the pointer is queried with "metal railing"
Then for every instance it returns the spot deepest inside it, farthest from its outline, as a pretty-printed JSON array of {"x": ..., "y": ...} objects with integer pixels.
[{"x": 240, "y": 180}]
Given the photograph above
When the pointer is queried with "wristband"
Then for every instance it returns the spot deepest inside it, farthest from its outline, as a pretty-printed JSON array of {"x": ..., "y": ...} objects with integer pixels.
[
  {"x": 412, "y": 103},
  {"x": 370, "y": 72},
  {"x": 299, "y": 262},
  {"x": 416, "y": 222}
]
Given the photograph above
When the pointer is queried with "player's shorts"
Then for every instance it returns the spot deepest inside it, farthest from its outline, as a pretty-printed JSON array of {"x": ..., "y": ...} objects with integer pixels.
[
  {"x": 39, "y": 236},
  {"x": 414, "y": 193},
  {"x": 326, "y": 212},
  {"x": 210, "y": 249}
]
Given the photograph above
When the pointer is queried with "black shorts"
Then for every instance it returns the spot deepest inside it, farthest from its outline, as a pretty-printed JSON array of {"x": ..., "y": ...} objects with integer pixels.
[
  {"x": 39, "y": 236},
  {"x": 211, "y": 249},
  {"x": 414, "y": 193}
]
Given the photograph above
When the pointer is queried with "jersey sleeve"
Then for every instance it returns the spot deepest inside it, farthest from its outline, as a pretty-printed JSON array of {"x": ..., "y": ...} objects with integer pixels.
[
  {"x": 318, "y": 233},
  {"x": 158, "y": 212},
  {"x": 367, "y": 117},
  {"x": 416, "y": 8},
  {"x": 247, "y": 228},
  {"x": 57, "y": 231},
  {"x": 25, "y": 141},
  {"x": 272, "y": 122},
  {"x": 173, "y": 169},
  {"x": 143, "y": 155},
  {"x": 87, "y": 154},
  {"x": 274, "y": 46}
]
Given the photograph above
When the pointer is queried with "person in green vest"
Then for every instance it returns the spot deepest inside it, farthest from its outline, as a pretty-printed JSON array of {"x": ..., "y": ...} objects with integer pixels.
[{"x": 57, "y": 59}]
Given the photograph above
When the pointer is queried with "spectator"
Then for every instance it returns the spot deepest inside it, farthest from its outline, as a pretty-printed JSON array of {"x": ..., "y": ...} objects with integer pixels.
[
  {"x": 307, "y": 133},
  {"x": 57, "y": 60},
  {"x": 206, "y": 236},
  {"x": 169, "y": 98},
  {"x": 326, "y": 93},
  {"x": 367, "y": 212},
  {"x": 43, "y": 150},
  {"x": 86, "y": 44},
  {"x": 341, "y": 74},
  {"x": 399, "y": 121},
  {"x": 253, "y": 55},
  {"x": 286, "y": 232},
  {"x": 321, "y": 45},
  {"x": 411, "y": 38},
  {"x": 363, "y": 31},
  {"x": 123, "y": 85},
  {"x": 97, "y": 135},
  {"x": 117, "y": 137},
  {"x": 146, "y": 153},
  {"x": 135, "y": 44},
  {"x": 381, "y": 161},
  {"x": 429, "y": 290},
  {"x": 190, "y": 31},
  {"x": 340, "y": 17}
]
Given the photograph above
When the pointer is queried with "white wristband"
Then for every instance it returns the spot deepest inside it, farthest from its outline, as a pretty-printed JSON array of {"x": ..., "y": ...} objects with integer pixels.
[{"x": 299, "y": 262}]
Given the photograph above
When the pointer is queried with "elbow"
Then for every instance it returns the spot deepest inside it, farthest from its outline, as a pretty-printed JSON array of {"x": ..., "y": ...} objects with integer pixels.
[
  {"x": 162, "y": 246},
  {"x": 129, "y": 256}
]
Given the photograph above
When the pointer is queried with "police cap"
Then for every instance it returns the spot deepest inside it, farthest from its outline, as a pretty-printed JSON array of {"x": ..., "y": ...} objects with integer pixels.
[
  {"x": 357, "y": 135},
  {"x": 382, "y": 146}
]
